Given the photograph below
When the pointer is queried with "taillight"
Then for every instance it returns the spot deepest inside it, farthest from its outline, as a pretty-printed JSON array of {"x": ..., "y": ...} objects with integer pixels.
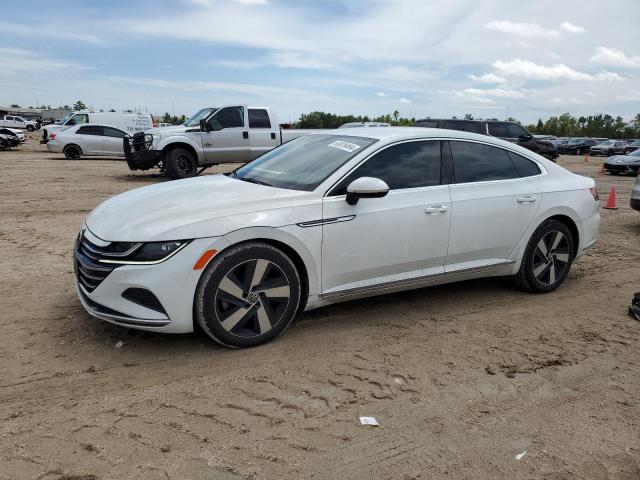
[{"x": 594, "y": 193}]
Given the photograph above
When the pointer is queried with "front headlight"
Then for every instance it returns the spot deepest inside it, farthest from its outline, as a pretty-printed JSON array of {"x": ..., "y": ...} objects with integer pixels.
[
  {"x": 155, "y": 140},
  {"x": 147, "y": 253}
]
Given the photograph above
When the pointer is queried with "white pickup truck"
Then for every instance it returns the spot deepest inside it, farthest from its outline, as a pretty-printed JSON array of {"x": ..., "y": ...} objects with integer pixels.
[
  {"x": 227, "y": 134},
  {"x": 13, "y": 121}
]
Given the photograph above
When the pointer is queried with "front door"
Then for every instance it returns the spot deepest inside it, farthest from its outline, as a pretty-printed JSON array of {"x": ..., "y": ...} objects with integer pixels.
[
  {"x": 401, "y": 236},
  {"x": 492, "y": 205},
  {"x": 227, "y": 140},
  {"x": 112, "y": 143}
]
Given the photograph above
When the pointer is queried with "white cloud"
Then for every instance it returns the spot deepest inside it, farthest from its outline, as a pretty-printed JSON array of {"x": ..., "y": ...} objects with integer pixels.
[
  {"x": 523, "y": 30},
  {"x": 381, "y": 94},
  {"x": 405, "y": 100},
  {"x": 17, "y": 61},
  {"x": 290, "y": 59},
  {"x": 252, "y": 2},
  {"x": 613, "y": 57},
  {"x": 494, "y": 92},
  {"x": 48, "y": 30},
  {"x": 530, "y": 70},
  {"x": 401, "y": 73},
  {"x": 488, "y": 78},
  {"x": 571, "y": 28}
]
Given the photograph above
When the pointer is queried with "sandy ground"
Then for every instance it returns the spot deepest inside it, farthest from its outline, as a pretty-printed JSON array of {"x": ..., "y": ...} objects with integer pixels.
[{"x": 462, "y": 378}]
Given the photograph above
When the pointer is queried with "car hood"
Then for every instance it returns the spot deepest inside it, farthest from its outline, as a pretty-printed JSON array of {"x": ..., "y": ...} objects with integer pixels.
[
  {"x": 174, "y": 130},
  {"x": 198, "y": 207},
  {"x": 623, "y": 159}
]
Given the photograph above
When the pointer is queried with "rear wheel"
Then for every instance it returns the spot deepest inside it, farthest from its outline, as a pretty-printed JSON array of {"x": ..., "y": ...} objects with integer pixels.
[
  {"x": 72, "y": 152},
  {"x": 248, "y": 295},
  {"x": 30, "y": 128},
  {"x": 547, "y": 258},
  {"x": 180, "y": 163}
]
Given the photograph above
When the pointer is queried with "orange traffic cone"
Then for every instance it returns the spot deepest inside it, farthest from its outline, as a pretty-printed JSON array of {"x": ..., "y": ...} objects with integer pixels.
[
  {"x": 611, "y": 201},
  {"x": 586, "y": 157},
  {"x": 602, "y": 170}
]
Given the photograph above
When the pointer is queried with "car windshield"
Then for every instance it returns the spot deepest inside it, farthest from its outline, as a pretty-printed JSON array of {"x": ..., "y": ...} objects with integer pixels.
[
  {"x": 194, "y": 120},
  {"x": 303, "y": 163},
  {"x": 65, "y": 118},
  {"x": 635, "y": 153}
]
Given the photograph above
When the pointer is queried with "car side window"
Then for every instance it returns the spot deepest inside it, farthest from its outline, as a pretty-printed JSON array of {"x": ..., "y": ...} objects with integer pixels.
[
  {"x": 516, "y": 131},
  {"x": 499, "y": 129},
  {"x": 464, "y": 126},
  {"x": 113, "y": 132},
  {"x": 229, "y": 117},
  {"x": 90, "y": 130},
  {"x": 476, "y": 162},
  {"x": 406, "y": 165},
  {"x": 525, "y": 167},
  {"x": 259, "y": 118},
  {"x": 82, "y": 118}
]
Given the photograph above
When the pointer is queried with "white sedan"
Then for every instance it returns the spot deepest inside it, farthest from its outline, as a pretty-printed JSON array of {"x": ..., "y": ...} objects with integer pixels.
[
  {"x": 88, "y": 139},
  {"x": 330, "y": 217}
]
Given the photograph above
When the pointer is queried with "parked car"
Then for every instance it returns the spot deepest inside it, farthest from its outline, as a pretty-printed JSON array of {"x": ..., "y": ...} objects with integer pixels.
[
  {"x": 5, "y": 142},
  {"x": 629, "y": 163},
  {"x": 635, "y": 195},
  {"x": 630, "y": 147},
  {"x": 12, "y": 137},
  {"x": 608, "y": 148},
  {"x": 88, "y": 139},
  {"x": 129, "y": 122},
  {"x": 364, "y": 124},
  {"x": 329, "y": 217},
  {"x": 577, "y": 146},
  {"x": 14, "y": 131},
  {"x": 13, "y": 121},
  {"x": 509, "y": 131},
  {"x": 228, "y": 134}
]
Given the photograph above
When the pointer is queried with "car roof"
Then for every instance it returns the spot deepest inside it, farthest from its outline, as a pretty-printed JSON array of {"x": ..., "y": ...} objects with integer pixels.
[{"x": 401, "y": 133}]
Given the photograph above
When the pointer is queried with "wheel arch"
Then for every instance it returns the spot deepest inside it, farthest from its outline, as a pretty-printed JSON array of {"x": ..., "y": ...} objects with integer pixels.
[
  {"x": 187, "y": 146},
  {"x": 571, "y": 225}
]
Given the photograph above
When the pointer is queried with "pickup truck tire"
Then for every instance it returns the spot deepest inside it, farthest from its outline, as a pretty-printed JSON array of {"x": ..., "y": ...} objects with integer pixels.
[
  {"x": 72, "y": 152},
  {"x": 179, "y": 163},
  {"x": 30, "y": 128}
]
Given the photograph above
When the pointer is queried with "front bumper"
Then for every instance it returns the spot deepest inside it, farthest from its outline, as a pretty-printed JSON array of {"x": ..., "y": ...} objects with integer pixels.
[
  {"x": 620, "y": 168},
  {"x": 138, "y": 153},
  {"x": 173, "y": 282}
]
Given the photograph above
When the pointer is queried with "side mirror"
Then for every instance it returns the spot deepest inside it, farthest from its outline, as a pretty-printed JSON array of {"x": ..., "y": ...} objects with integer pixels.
[
  {"x": 525, "y": 137},
  {"x": 204, "y": 125},
  {"x": 366, "y": 187}
]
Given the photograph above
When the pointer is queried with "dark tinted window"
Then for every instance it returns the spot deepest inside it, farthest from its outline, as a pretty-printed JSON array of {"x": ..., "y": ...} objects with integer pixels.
[
  {"x": 427, "y": 123},
  {"x": 259, "y": 119},
  {"x": 229, "y": 117},
  {"x": 525, "y": 167},
  {"x": 90, "y": 130},
  {"x": 465, "y": 126},
  {"x": 113, "y": 132},
  {"x": 407, "y": 165},
  {"x": 475, "y": 162},
  {"x": 498, "y": 129}
]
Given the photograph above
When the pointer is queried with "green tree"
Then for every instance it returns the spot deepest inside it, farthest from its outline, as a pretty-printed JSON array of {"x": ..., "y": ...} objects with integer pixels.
[
  {"x": 15, "y": 105},
  {"x": 396, "y": 113},
  {"x": 79, "y": 105},
  {"x": 468, "y": 116}
]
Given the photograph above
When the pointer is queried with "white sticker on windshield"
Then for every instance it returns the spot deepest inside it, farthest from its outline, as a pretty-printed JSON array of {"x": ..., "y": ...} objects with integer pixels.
[{"x": 346, "y": 146}]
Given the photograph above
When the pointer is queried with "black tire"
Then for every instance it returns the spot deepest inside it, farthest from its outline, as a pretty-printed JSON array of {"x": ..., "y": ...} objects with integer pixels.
[
  {"x": 543, "y": 273},
  {"x": 180, "y": 163},
  {"x": 612, "y": 172},
  {"x": 30, "y": 128},
  {"x": 247, "y": 295},
  {"x": 72, "y": 152}
]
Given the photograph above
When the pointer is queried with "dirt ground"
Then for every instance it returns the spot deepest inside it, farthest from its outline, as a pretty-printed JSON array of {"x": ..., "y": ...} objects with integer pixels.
[{"x": 462, "y": 378}]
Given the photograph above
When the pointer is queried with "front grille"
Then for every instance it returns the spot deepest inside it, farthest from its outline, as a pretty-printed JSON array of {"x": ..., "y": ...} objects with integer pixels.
[{"x": 89, "y": 272}]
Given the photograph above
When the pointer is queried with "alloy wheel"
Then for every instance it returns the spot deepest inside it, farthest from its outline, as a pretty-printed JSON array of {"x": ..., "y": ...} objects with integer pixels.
[
  {"x": 252, "y": 298},
  {"x": 184, "y": 164},
  {"x": 551, "y": 257}
]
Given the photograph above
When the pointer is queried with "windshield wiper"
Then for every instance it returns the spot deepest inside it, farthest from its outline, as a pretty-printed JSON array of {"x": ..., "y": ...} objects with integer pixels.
[{"x": 249, "y": 179}]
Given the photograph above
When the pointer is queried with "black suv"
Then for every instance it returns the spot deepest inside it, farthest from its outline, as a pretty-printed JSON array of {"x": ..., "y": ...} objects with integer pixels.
[{"x": 509, "y": 131}]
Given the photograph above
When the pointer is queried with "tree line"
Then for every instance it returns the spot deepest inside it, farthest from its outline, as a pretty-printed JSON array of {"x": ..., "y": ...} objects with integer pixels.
[{"x": 565, "y": 125}]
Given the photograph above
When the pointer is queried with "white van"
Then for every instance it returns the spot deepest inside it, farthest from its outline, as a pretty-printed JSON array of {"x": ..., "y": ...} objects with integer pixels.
[{"x": 129, "y": 122}]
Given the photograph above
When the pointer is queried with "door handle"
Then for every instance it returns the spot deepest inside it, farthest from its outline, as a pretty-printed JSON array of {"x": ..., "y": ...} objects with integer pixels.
[
  {"x": 245, "y": 134},
  {"x": 527, "y": 199},
  {"x": 436, "y": 209}
]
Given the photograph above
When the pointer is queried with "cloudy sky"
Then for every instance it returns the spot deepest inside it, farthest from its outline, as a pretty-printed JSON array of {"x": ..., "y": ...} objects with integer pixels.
[{"x": 421, "y": 57}]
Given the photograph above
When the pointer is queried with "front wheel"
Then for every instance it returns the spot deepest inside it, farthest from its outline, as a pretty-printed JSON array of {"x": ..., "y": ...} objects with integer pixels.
[
  {"x": 247, "y": 295},
  {"x": 180, "y": 163},
  {"x": 547, "y": 258},
  {"x": 30, "y": 128},
  {"x": 72, "y": 152}
]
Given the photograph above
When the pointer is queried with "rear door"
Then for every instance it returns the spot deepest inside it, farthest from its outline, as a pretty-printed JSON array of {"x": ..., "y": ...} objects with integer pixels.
[
  {"x": 112, "y": 141},
  {"x": 227, "y": 140},
  {"x": 493, "y": 202},
  {"x": 263, "y": 136},
  {"x": 89, "y": 139}
]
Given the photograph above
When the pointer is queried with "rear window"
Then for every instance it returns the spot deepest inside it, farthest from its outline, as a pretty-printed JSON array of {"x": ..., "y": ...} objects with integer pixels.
[
  {"x": 90, "y": 130},
  {"x": 464, "y": 126},
  {"x": 476, "y": 162},
  {"x": 259, "y": 118}
]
